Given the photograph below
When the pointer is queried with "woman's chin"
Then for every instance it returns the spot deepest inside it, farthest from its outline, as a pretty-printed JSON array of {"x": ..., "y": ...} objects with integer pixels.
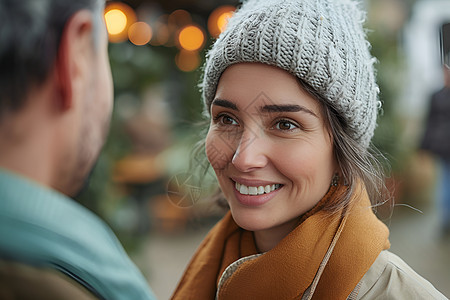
[{"x": 250, "y": 221}]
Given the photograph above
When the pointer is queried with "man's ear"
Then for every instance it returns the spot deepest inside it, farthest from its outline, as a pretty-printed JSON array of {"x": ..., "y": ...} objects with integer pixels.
[{"x": 73, "y": 58}]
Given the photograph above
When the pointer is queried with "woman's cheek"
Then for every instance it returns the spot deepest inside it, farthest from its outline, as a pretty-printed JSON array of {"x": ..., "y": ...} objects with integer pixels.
[{"x": 218, "y": 150}]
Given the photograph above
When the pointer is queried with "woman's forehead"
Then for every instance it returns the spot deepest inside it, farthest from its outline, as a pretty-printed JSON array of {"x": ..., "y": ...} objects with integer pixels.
[{"x": 263, "y": 87}]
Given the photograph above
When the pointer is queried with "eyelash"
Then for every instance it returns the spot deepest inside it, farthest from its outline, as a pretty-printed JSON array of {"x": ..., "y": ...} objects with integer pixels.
[
  {"x": 219, "y": 119},
  {"x": 279, "y": 121}
]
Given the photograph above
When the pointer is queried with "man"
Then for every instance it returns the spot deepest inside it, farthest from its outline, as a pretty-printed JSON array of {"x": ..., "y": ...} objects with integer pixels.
[
  {"x": 437, "y": 141},
  {"x": 55, "y": 107}
]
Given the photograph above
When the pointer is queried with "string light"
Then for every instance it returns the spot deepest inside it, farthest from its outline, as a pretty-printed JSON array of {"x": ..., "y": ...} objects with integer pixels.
[
  {"x": 191, "y": 38},
  {"x": 218, "y": 19},
  {"x": 118, "y": 18},
  {"x": 179, "y": 18},
  {"x": 140, "y": 33},
  {"x": 187, "y": 61},
  {"x": 116, "y": 21}
]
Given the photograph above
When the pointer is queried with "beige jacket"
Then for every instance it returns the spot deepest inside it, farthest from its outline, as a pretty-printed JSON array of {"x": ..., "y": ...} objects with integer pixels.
[
  {"x": 388, "y": 278},
  {"x": 391, "y": 278}
]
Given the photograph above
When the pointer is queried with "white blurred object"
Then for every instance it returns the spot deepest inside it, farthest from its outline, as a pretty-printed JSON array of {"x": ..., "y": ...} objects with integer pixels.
[{"x": 421, "y": 42}]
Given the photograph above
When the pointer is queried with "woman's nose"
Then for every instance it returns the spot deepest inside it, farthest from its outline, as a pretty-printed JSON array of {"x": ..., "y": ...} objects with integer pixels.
[{"x": 250, "y": 153}]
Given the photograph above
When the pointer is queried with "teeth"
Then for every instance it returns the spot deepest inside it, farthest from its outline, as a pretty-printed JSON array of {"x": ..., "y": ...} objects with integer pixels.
[
  {"x": 243, "y": 190},
  {"x": 253, "y": 190}
]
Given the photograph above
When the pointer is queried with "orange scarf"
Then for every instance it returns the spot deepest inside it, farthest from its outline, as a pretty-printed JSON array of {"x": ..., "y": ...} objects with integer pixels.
[{"x": 286, "y": 271}]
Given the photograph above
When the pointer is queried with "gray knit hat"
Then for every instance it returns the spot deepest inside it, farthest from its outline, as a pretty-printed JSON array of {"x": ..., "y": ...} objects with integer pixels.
[{"x": 322, "y": 42}]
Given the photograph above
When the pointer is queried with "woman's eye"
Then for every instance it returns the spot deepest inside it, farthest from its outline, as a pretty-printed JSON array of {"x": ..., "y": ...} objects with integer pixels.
[
  {"x": 226, "y": 120},
  {"x": 285, "y": 125}
]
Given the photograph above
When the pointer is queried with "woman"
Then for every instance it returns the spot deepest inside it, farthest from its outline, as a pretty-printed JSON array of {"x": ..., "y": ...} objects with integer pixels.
[{"x": 290, "y": 91}]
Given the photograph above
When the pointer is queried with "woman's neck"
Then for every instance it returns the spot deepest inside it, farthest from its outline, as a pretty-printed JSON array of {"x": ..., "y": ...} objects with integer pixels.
[{"x": 266, "y": 240}]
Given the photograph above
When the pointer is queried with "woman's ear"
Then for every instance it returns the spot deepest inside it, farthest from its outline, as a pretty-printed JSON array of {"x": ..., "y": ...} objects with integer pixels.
[{"x": 73, "y": 58}]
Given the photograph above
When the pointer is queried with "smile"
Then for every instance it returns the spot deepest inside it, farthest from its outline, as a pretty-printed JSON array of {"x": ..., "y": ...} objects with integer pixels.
[{"x": 256, "y": 190}]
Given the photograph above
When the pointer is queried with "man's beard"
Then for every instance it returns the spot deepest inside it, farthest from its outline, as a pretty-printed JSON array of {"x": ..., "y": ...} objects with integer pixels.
[{"x": 84, "y": 187}]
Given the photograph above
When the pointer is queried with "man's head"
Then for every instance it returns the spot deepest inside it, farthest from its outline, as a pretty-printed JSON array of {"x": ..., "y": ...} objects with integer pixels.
[{"x": 55, "y": 88}]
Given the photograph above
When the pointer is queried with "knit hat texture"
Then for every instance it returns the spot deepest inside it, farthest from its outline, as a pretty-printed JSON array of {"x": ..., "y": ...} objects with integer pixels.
[{"x": 322, "y": 42}]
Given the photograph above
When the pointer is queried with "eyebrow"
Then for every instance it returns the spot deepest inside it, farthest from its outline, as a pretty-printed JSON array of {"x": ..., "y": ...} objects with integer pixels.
[
  {"x": 274, "y": 108},
  {"x": 225, "y": 103}
]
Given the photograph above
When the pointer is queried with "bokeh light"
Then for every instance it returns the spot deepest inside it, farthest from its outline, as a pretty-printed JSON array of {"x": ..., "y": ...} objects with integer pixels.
[
  {"x": 179, "y": 18},
  {"x": 161, "y": 33},
  {"x": 116, "y": 21},
  {"x": 140, "y": 33},
  {"x": 187, "y": 61},
  {"x": 223, "y": 20},
  {"x": 191, "y": 38},
  {"x": 118, "y": 18},
  {"x": 218, "y": 19}
]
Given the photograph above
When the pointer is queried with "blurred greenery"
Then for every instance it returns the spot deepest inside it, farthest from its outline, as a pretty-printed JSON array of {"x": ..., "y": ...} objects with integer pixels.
[
  {"x": 409, "y": 175},
  {"x": 390, "y": 72}
]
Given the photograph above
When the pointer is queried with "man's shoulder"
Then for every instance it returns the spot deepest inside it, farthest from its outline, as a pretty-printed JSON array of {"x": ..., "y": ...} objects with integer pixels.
[
  {"x": 391, "y": 278},
  {"x": 47, "y": 230},
  {"x": 46, "y": 221}
]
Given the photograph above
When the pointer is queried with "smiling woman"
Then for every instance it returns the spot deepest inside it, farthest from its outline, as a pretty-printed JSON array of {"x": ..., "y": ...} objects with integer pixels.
[{"x": 290, "y": 92}]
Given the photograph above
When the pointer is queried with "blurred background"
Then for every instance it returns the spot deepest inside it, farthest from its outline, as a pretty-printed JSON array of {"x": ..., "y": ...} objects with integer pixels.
[{"x": 147, "y": 184}]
